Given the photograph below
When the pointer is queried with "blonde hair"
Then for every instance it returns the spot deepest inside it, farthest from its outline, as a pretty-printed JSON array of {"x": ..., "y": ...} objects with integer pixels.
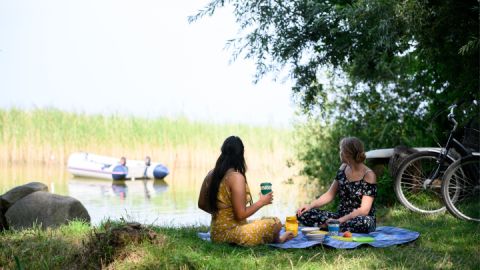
[{"x": 353, "y": 147}]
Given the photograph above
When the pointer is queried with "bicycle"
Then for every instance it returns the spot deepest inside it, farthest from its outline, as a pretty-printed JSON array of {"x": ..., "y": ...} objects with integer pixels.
[
  {"x": 418, "y": 181},
  {"x": 461, "y": 187}
]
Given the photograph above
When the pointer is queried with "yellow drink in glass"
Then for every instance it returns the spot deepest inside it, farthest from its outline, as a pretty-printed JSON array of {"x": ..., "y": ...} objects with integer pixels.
[{"x": 291, "y": 224}]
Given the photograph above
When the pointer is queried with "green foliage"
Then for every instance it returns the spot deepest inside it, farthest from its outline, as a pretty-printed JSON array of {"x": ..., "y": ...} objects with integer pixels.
[
  {"x": 386, "y": 194},
  {"x": 425, "y": 48}
]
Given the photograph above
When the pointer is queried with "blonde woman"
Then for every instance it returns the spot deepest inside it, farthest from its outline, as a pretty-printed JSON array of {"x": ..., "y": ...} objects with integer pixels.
[{"x": 355, "y": 184}]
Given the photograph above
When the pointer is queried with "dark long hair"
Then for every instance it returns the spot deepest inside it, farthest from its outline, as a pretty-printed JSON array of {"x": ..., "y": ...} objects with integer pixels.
[{"x": 230, "y": 158}]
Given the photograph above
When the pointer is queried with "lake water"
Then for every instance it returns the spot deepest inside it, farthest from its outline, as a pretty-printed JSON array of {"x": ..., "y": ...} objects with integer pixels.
[{"x": 169, "y": 202}]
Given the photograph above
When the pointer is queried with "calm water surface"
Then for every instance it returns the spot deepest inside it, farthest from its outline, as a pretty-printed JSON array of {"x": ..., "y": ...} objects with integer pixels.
[{"x": 169, "y": 202}]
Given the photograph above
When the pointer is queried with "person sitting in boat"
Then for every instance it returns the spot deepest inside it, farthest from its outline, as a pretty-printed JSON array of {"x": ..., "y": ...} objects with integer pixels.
[
  {"x": 147, "y": 164},
  {"x": 123, "y": 161},
  {"x": 147, "y": 161}
]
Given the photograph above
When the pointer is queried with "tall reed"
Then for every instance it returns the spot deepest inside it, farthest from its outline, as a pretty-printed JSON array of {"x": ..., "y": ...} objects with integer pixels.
[{"x": 50, "y": 135}]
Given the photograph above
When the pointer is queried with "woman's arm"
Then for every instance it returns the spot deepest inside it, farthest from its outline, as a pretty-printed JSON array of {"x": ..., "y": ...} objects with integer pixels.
[
  {"x": 367, "y": 201},
  {"x": 236, "y": 183},
  {"x": 363, "y": 210},
  {"x": 326, "y": 198}
]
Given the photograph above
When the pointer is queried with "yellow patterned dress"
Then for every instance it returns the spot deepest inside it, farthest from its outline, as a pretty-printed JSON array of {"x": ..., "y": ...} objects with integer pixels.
[{"x": 225, "y": 228}]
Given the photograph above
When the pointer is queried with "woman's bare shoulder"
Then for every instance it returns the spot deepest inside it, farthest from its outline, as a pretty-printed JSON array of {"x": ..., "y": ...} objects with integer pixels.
[
  {"x": 233, "y": 176},
  {"x": 370, "y": 176}
]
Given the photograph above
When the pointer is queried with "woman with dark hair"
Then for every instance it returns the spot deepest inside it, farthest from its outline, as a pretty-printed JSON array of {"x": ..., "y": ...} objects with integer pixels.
[
  {"x": 225, "y": 195},
  {"x": 356, "y": 186}
]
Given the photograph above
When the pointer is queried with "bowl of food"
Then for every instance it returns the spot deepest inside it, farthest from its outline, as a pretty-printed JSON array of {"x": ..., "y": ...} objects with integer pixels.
[
  {"x": 306, "y": 230},
  {"x": 315, "y": 236}
]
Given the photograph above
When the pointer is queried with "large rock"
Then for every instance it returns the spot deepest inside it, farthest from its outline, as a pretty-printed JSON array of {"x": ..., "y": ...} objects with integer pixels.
[
  {"x": 15, "y": 194},
  {"x": 49, "y": 210},
  {"x": 3, "y": 220}
]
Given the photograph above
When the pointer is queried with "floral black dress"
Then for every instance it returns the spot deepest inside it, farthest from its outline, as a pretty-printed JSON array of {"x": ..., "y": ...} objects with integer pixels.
[{"x": 350, "y": 194}]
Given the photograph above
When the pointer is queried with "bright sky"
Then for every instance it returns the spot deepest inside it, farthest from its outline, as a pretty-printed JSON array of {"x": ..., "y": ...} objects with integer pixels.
[{"x": 138, "y": 57}]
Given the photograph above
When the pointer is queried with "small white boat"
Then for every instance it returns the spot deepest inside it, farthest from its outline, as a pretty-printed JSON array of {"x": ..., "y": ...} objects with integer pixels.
[{"x": 84, "y": 164}]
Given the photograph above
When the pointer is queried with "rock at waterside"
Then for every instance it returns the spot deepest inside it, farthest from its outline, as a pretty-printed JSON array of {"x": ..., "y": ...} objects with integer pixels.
[
  {"x": 45, "y": 209},
  {"x": 17, "y": 193},
  {"x": 3, "y": 221}
]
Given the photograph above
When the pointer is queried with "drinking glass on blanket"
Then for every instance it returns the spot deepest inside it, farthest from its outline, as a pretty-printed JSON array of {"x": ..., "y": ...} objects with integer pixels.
[
  {"x": 291, "y": 224},
  {"x": 333, "y": 227}
]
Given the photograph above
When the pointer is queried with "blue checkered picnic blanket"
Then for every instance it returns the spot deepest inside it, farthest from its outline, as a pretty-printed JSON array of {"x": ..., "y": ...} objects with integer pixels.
[{"x": 384, "y": 236}]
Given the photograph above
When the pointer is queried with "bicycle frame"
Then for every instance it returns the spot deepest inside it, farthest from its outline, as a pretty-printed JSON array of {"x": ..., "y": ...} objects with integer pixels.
[{"x": 451, "y": 143}]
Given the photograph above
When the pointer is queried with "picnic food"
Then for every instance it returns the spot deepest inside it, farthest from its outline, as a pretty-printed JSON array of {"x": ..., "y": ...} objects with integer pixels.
[
  {"x": 347, "y": 234},
  {"x": 318, "y": 232},
  {"x": 291, "y": 224},
  {"x": 340, "y": 238},
  {"x": 306, "y": 230}
]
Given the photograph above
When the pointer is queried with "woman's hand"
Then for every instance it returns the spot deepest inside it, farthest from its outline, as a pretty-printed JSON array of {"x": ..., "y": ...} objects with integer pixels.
[
  {"x": 323, "y": 200},
  {"x": 266, "y": 199},
  {"x": 303, "y": 209}
]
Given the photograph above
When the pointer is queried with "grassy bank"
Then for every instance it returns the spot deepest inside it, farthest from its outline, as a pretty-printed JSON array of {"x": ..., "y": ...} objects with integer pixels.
[
  {"x": 445, "y": 243},
  {"x": 50, "y": 135}
]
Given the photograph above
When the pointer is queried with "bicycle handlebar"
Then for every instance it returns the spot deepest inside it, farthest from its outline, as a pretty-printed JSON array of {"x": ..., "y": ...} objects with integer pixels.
[{"x": 451, "y": 116}]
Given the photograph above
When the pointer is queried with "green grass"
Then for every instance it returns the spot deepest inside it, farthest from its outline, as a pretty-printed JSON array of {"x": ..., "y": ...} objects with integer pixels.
[
  {"x": 41, "y": 249},
  {"x": 444, "y": 243}
]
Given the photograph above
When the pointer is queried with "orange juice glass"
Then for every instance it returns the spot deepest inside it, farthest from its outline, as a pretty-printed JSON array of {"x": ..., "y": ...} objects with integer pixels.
[{"x": 291, "y": 224}]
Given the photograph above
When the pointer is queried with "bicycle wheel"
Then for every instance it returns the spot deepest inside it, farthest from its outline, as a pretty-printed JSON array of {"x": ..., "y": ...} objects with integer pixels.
[
  {"x": 412, "y": 173},
  {"x": 461, "y": 188}
]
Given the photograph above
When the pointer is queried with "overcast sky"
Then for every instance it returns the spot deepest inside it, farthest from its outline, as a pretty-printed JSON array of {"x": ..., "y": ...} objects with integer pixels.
[{"x": 138, "y": 57}]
